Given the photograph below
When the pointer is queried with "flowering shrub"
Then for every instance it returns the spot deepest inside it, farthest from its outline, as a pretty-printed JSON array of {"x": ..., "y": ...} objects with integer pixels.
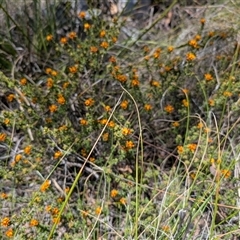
[{"x": 129, "y": 122}]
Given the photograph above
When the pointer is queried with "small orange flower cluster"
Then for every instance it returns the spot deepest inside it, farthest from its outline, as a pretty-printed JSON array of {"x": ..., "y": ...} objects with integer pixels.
[
  {"x": 27, "y": 150},
  {"x": 3, "y": 137},
  {"x": 45, "y": 185},
  {"x": 105, "y": 137},
  {"x": 73, "y": 69},
  {"x": 180, "y": 149},
  {"x": 58, "y": 154},
  {"x": 121, "y": 78},
  {"x": 124, "y": 104},
  {"x": 185, "y": 103},
  {"x": 33, "y": 223},
  {"x": 148, "y": 107},
  {"x": 53, "y": 108},
  {"x": 61, "y": 100},
  {"x": 89, "y": 102},
  {"x": 5, "y": 222},
  {"x": 156, "y": 53},
  {"x": 114, "y": 193},
  {"x": 93, "y": 49},
  {"x": 49, "y": 82},
  {"x": 129, "y": 145},
  {"x": 155, "y": 83},
  {"x": 193, "y": 43},
  {"x": 82, "y": 15},
  {"x": 83, "y": 122},
  {"x": 170, "y": 49},
  {"x": 98, "y": 210},
  {"x": 169, "y": 108},
  {"x": 208, "y": 77},
  {"x": 126, "y": 131},
  {"x": 190, "y": 56},
  {"x": 104, "y": 45},
  {"x": 10, "y": 97},
  {"x": 49, "y": 37},
  {"x": 192, "y": 147},
  {"x": 51, "y": 72},
  {"x": 23, "y": 81}
]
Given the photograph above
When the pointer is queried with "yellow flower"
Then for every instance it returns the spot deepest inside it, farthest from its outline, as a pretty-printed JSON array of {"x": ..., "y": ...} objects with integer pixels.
[
  {"x": 114, "y": 193},
  {"x": 197, "y": 37},
  {"x": 169, "y": 108},
  {"x": 89, "y": 102},
  {"x": 157, "y": 52},
  {"x": 33, "y": 223},
  {"x": 54, "y": 73},
  {"x": 93, "y": 49},
  {"x": 62, "y": 128},
  {"x": 102, "y": 33},
  {"x": 155, "y": 83},
  {"x": 227, "y": 94},
  {"x": 53, "y": 108},
  {"x": 27, "y": 150},
  {"x": 82, "y": 15},
  {"x": 3, "y": 137},
  {"x": 114, "y": 39},
  {"x": 98, "y": 210},
  {"x": 49, "y": 37},
  {"x": 192, "y": 147},
  {"x": 124, "y": 104},
  {"x": 72, "y": 69},
  {"x": 105, "y": 137},
  {"x": 56, "y": 220},
  {"x": 185, "y": 102},
  {"x": 61, "y": 100},
  {"x": 135, "y": 83},
  {"x": 6, "y": 122},
  {"x": 103, "y": 121},
  {"x": 9, "y": 233},
  {"x": 5, "y": 222},
  {"x": 200, "y": 125},
  {"x": 48, "y": 70},
  {"x": 176, "y": 124},
  {"x": 45, "y": 185},
  {"x": 180, "y": 149},
  {"x": 87, "y": 26},
  {"x": 121, "y": 78},
  {"x": 104, "y": 45},
  {"x": 63, "y": 40},
  {"x": 58, "y": 154},
  {"x": 193, "y": 43},
  {"x": 190, "y": 56},
  {"x": 10, "y": 97},
  {"x": 111, "y": 124},
  {"x": 72, "y": 35},
  {"x": 148, "y": 107},
  {"x": 129, "y": 145},
  {"x": 126, "y": 131},
  {"x": 107, "y": 108},
  {"x": 49, "y": 82},
  {"x": 23, "y": 81},
  {"x": 54, "y": 211},
  {"x": 166, "y": 228},
  {"x": 202, "y": 20},
  {"x": 123, "y": 201},
  {"x": 211, "y": 102},
  {"x": 92, "y": 159},
  {"x": 18, "y": 157},
  {"x": 208, "y": 77},
  {"x": 226, "y": 173},
  {"x": 65, "y": 85},
  {"x": 83, "y": 122},
  {"x": 170, "y": 49},
  {"x": 3, "y": 195}
]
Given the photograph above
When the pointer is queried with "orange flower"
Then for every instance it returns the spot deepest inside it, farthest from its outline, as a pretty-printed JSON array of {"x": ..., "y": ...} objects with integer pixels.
[
  {"x": 157, "y": 52},
  {"x": 49, "y": 37},
  {"x": 3, "y": 137},
  {"x": 111, "y": 124},
  {"x": 192, "y": 147},
  {"x": 83, "y": 122},
  {"x": 185, "y": 102},
  {"x": 123, "y": 201},
  {"x": 114, "y": 39},
  {"x": 176, "y": 124},
  {"x": 9, "y": 233},
  {"x": 58, "y": 154},
  {"x": 102, "y": 33},
  {"x": 202, "y": 20},
  {"x": 45, "y": 185},
  {"x": 82, "y": 15},
  {"x": 53, "y": 108},
  {"x": 18, "y": 157},
  {"x": 10, "y": 97},
  {"x": 49, "y": 82},
  {"x": 98, "y": 210},
  {"x": 103, "y": 121},
  {"x": 126, "y": 131},
  {"x": 148, "y": 107},
  {"x": 3, "y": 195},
  {"x": 72, "y": 35},
  {"x": 169, "y": 108},
  {"x": 107, "y": 108},
  {"x": 6, "y": 122},
  {"x": 5, "y": 222},
  {"x": 87, "y": 26},
  {"x": 114, "y": 193},
  {"x": 211, "y": 102},
  {"x": 170, "y": 49},
  {"x": 227, "y": 94},
  {"x": 226, "y": 173},
  {"x": 89, "y": 102},
  {"x": 63, "y": 40},
  {"x": 121, "y": 78},
  {"x": 33, "y": 223},
  {"x": 72, "y": 69},
  {"x": 61, "y": 100},
  {"x": 193, "y": 43},
  {"x": 129, "y": 145},
  {"x": 155, "y": 83},
  {"x": 124, "y": 104},
  {"x": 180, "y": 149},
  {"x": 23, "y": 81},
  {"x": 112, "y": 59},
  {"x": 105, "y": 137},
  {"x": 190, "y": 56},
  {"x": 93, "y": 49},
  {"x": 54, "y": 211},
  {"x": 27, "y": 150},
  {"x": 208, "y": 77},
  {"x": 135, "y": 83}
]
